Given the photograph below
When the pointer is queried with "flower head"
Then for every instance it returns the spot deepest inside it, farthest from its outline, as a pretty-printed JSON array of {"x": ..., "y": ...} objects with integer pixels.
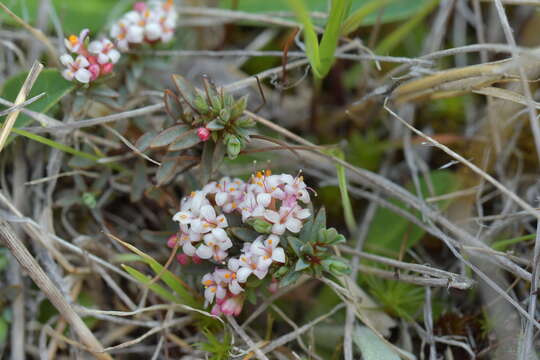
[{"x": 91, "y": 62}]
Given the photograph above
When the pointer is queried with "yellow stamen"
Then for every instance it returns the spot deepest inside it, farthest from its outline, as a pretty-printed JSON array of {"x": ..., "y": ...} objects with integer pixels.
[
  {"x": 259, "y": 174},
  {"x": 268, "y": 172},
  {"x": 270, "y": 241},
  {"x": 73, "y": 39},
  {"x": 192, "y": 194},
  {"x": 213, "y": 290},
  {"x": 233, "y": 205},
  {"x": 227, "y": 276},
  {"x": 231, "y": 189},
  {"x": 208, "y": 282}
]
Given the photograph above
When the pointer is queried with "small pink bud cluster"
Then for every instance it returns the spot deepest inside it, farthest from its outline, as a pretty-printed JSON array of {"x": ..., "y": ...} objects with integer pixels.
[
  {"x": 150, "y": 22},
  {"x": 92, "y": 59},
  {"x": 203, "y": 133},
  {"x": 276, "y": 202}
]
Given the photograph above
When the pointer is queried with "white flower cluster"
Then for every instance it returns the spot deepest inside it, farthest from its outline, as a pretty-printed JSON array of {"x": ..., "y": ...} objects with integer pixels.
[
  {"x": 276, "y": 200},
  {"x": 150, "y": 22},
  {"x": 91, "y": 62}
]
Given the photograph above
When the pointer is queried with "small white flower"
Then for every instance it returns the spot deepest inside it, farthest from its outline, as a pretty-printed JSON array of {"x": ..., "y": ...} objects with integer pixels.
[
  {"x": 228, "y": 276},
  {"x": 74, "y": 43},
  {"x": 251, "y": 264},
  {"x": 213, "y": 288},
  {"x": 76, "y": 69},
  {"x": 214, "y": 247},
  {"x": 105, "y": 51},
  {"x": 286, "y": 219},
  {"x": 268, "y": 250}
]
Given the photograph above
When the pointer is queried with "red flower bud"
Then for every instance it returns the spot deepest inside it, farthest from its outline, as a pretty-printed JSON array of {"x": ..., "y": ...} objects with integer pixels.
[
  {"x": 107, "y": 68},
  {"x": 203, "y": 133},
  {"x": 94, "y": 70}
]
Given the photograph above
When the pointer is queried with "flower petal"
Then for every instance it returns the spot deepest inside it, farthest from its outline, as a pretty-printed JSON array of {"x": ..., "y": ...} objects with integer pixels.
[
  {"x": 83, "y": 75},
  {"x": 272, "y": 216},
  {"x": 243, "y": 273},
  {"x": 293, "y": 225},
  {"x": 204, "y": 252},
  {"x": 278, "y": 255}
]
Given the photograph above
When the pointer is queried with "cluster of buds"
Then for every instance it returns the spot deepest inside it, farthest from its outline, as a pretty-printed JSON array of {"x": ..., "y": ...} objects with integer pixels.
[
  {"x": 267, "y": 207},
  {"x": 151, "y": 23},
  {"x": 88, "y": 60},
  {"x": 210, "y": 114}
]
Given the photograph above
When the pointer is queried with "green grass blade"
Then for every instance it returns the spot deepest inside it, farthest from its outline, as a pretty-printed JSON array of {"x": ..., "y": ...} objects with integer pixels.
[
  {"x": 173, "y": 282},
  {"x": 395, "y": 38},
  {"x": 502, "y": 245},
  {"x": 310, "y": 36},
  {"x": 354, "y": 21},
  {"x": 65, "y": 148},
  {"x": 158, "y": 289},
  {"x": 331, "y": 35}
]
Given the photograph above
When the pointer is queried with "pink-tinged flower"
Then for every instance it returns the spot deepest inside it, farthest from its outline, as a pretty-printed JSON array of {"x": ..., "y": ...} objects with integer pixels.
[
  {"x": 209, "y": 221},
  {"x": 233, "y": 305},
  {"x": 298, "y": 189},
  {"x": 104, "y": 50},
  {"x": 76, "y": 69},
  {"x": 269, "y": 251},
  {"x": 214, "y": 247},
  {"x": 185, "y": 241},
  {"x": 251, "y": 264},
  {"x": 203, "y": 133},
  {"x": 254, "y": 205},
  {"x": 75, "y": 43},
  {"x": 228, "y": 193},
  {"x": 286, "y": 219},
  {"x": 228, "y": 277},
  {"x": 213, "y": 288}
]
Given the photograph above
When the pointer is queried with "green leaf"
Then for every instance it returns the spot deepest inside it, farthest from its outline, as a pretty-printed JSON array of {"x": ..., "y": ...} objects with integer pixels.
[
  {"x": 74, "y": 15},
  {"x": 358, "y": 17},
  {"x": 371, "y": 346},
  {"x": 295, "y": 244},
  {"x": 388, "y": 230},
  {"x": 158, "y": 289},
  {"x": 289, "y": 279},
  {"x": 169, "y": 135},
  {"x": 312, "y": 44},
  {"x": 185, "y": 141},
  {"x": 174, "y": 282},
  {"x": 50, "y": 82},
  {"x": 331, "y": 34},
  {"x": 395, "y": 11},
  {"x": 301, "y": 265},
  {"x": 3, "y": 331}
]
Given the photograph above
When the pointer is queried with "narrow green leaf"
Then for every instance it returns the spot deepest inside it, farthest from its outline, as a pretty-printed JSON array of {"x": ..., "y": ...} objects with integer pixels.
[
  {"x": 331, "y": 35},
  {"x": 158, "y": 289},
  {"x": 310, "y": 36},
  {"x": 354, "y": 21},
  {"x": 395, "y": 38},
  {"x": 168, "y": 136},
  {"x": 185, "y": 141}
]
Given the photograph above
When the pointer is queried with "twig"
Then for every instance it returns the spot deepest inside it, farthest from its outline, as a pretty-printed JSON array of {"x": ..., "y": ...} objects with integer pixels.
[
  {"x": 34, "y": 270},
  {"x": 21, "y": 97}
]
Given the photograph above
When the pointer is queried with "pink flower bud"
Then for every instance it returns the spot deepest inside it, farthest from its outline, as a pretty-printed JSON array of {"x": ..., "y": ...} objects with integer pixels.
[
  {"x": 183, "y": 259},
  {"x": 139, "y": 6},
  {"x": 107, "y": 68},
  {"x": 94, "y": 70},
  {"x": 171, "y": 241},
  {"x": 203, "y": 133},
  {"x": 216, "y": 310},
  {"x": 233, "y": 305},
  {"x": 196, "y": 259},
  {"x": 92, "y": 59},
  {"x": 274, "y": 286}
]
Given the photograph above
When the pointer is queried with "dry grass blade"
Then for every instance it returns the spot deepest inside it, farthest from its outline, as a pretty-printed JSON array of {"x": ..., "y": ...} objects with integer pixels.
[
  {"x": 21, "y": 97},
  {"x": 38, "y": 34},
  {"x": 34, "y": 270}
]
